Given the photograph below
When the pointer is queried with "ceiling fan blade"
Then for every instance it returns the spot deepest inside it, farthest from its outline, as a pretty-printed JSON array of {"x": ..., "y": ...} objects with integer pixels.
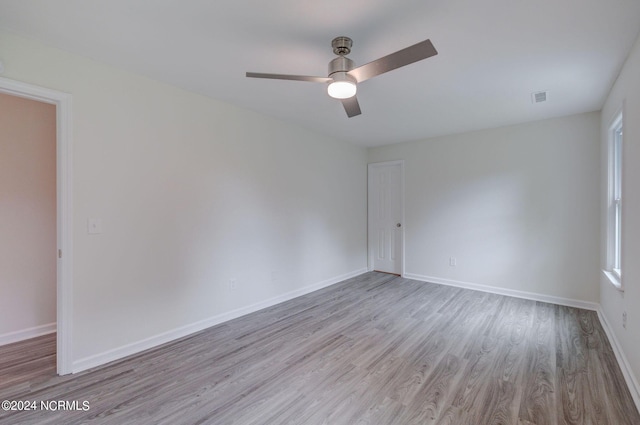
[
  {"x": 406, "y": 56},
  {"x": 289, "y": 77},
  {"x": 351, "y": 106}
]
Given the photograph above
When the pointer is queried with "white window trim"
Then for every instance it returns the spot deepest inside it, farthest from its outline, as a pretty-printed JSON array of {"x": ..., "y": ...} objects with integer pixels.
[{"x": 613, "y": 270}]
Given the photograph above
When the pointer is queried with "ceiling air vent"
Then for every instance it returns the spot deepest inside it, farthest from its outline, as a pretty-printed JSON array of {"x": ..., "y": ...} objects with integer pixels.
[{"x": 538, "y": 97}]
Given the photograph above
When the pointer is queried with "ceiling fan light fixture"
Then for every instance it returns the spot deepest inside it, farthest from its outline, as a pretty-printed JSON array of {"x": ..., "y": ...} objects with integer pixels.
[
  {"x": 341, "y": 89},
  {"x": 343, "y": 86}
]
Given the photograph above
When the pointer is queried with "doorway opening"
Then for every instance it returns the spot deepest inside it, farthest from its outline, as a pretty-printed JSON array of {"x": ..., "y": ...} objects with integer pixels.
[{"x": 63, "y": 209}]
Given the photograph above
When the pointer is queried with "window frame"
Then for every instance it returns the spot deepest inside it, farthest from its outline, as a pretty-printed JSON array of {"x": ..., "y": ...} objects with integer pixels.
[{"x": 615, "y": 143}]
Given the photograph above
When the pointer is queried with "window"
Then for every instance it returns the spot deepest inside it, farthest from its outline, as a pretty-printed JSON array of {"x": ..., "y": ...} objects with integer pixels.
[{"x": 614, "y": 204}]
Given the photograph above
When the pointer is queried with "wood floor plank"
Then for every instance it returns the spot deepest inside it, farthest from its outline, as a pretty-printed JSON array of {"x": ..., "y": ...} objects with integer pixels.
[
  {"x": 375, "y": 349},
  {"x": 538, "y": 401}
]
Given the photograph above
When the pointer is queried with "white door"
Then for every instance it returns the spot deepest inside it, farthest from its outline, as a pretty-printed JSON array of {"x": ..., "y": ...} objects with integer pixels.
[{"x": 386, "y": 230}]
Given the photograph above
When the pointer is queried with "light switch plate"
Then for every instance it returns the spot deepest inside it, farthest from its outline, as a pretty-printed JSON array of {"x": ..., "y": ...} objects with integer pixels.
[{"x": 94, "y": 226}]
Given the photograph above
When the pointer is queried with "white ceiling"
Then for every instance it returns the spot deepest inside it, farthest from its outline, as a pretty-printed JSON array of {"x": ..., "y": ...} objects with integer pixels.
[{"x": 492, "y": 55}]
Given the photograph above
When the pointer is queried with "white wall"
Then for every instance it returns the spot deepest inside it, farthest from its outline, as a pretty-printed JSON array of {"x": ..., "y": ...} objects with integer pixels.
[
  {"x": 625, "y": 91},
  {"x": 27, "y": 218},
  {"x": 518, "y": 206},
  {"x": 192, "y": 192}
]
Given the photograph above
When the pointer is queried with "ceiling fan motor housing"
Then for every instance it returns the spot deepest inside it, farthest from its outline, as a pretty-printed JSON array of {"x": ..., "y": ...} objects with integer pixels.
[
  {"x": 340, "y": 64},
  {"x": 339, "y": 68}
]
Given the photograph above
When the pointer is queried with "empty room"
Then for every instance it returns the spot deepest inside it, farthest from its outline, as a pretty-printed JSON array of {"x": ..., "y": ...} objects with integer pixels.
[{"x": 389, "y": 213}]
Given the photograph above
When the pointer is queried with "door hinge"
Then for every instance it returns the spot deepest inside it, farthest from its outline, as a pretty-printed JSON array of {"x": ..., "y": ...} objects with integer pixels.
[{"x": 59, "y": 253}]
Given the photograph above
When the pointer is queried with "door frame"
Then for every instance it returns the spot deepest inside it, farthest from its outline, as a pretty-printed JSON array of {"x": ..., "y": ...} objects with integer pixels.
[
  {"x": 64, "y": 210},
  {"x": 370, "y": 166}
]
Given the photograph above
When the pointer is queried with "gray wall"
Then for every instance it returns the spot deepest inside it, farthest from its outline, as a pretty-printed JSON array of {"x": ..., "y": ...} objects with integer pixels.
[
  {"x": 518, "y": 206},
  {"x": 192, "y": 193},
  {"x": 625, "y": 92}
]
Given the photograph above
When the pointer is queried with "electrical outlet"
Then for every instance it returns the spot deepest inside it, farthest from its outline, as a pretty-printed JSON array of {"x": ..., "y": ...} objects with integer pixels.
[
  {"x": 452, "y": 261},
  {"x": 624, "y": 319},
  {"x": 233, "y": 283}
]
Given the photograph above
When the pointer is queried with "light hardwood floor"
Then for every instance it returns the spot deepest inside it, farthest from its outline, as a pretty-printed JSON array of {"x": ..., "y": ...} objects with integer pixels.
[{"x": 376, "y": 349}]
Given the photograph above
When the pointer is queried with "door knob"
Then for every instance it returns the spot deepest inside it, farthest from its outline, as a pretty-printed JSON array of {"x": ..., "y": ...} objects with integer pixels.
[{"x": 398, "y": 225}]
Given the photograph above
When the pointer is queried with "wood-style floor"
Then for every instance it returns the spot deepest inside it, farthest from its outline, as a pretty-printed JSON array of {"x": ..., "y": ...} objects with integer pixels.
[{"x": 376, "y": 349}]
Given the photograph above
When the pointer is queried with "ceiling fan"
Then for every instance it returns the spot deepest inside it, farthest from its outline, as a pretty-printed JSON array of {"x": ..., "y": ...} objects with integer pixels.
[{"x": 343, "y": 75}]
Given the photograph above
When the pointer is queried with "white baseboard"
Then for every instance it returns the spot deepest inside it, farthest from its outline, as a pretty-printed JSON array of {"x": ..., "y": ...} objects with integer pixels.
[
  {"x": 154, "y": 341},
  {"x": 504, "y": 291},
  {"x": 629, "y": 377},
  {"x": 23, "y": 334}
]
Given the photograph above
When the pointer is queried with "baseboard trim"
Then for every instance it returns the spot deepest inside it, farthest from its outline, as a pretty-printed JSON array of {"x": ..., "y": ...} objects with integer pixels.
[
  {"x": 508, "y": 292},
  {"x": 156, "y": 340},
  {"x": 629, "y": 377},
  {"x": 21, "y": 335}
]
